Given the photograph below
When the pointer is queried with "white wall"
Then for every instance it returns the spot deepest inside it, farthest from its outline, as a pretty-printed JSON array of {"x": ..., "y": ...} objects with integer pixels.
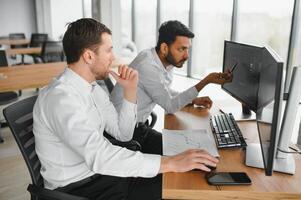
[
  {"x": 63, "y": 12},
  {"x": 53, "y": 15},
  {"x": 17, "y": 16},
  {"x": 111, "y": 17}
]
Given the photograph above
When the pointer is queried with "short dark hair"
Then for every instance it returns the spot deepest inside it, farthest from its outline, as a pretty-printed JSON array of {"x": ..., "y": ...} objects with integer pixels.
[
  {"x": 169, "y": 30},
  {"x": 82, "y": 34}
]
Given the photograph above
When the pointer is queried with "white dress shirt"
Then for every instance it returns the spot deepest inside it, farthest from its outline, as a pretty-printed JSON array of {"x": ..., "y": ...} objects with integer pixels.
[
  {"x": 70, "y": 116},
  {"x": 154, "y": 87}
]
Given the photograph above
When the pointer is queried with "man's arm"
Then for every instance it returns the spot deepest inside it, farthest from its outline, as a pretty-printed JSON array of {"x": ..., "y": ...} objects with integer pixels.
[
  {"x": 73, "y": 126},
  {"x": 215, "y": 77},
  {"x": 188, "y": 160},
  {"x": 153, "y": 84}
]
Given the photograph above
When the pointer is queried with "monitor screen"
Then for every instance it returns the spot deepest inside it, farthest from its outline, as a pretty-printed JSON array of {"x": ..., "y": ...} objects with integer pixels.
[
  {"x": 269, "y": 108},
  {"x": 248, "y": 60}
]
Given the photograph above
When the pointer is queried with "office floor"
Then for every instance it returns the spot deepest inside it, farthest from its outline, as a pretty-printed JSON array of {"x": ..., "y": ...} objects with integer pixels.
[{"x": 14, "y": 176}]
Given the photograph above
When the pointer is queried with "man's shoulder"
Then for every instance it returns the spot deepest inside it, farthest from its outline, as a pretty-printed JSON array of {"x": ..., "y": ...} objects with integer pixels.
[
  {"x": 57, "y": 90},
  {"x": 144, "y": 60}
]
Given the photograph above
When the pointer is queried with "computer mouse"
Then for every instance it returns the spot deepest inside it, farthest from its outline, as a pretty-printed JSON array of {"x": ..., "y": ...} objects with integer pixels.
[{"x": 210, "y": 167}]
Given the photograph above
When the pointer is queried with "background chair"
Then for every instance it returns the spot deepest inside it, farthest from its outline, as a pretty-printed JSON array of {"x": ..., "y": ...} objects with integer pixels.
[
  {"x": 5, "y": 97},
  {"x": 109, "y": 86},
  {"x": 37, "y": 40},
  {"x": 16, "y": 36},
  {"x": 52, "y": 51},
  {"x": 20, "y": 122}
]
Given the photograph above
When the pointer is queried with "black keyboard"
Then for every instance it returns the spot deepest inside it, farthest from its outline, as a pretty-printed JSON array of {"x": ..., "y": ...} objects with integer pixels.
[{"x": 226, "y": 131}]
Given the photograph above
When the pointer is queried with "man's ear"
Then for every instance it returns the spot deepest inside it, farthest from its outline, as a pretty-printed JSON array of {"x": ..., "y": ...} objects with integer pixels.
[
  {"x": 164, "y": 48},
  {"x": 88, "y": 56}
]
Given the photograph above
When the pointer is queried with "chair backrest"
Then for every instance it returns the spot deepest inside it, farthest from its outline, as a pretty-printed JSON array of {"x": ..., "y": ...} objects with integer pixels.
[
  {"x": 20, "y": 121},
  {"x": 16, "y": 36},
  {"x": 52, "y": 51},
  {"x": 106, "y": 84},
  {"x": 3, "y": 60},
  {"x": 38, "y": 39},
  {"x": 109, "y": 84}
]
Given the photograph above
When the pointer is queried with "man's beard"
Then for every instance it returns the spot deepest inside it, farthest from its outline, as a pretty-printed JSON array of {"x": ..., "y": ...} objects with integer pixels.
[{"x": 170, "y": 59}]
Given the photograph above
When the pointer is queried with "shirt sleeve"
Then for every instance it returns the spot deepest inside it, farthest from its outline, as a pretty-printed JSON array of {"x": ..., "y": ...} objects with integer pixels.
[
  {"x": 154, "y": 85},
  {"x": 126, "y": 120},
  {"x": 68, "y": 120}
]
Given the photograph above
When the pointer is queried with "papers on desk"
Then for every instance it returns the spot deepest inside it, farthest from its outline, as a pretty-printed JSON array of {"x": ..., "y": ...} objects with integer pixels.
[{"x": 177, "y": 141}]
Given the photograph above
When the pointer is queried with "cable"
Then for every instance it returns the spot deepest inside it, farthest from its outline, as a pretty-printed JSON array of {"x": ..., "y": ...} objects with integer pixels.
[{"x": 293, "y": 152}]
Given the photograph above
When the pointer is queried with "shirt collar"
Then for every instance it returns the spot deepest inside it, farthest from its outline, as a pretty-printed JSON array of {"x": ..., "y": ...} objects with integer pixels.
[
  {"x": 158, "y": 61},
  {"x": 77, "y": 81}
]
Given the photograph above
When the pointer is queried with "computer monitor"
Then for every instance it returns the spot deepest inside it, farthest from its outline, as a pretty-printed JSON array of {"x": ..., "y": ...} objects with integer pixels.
[
  {"x": 245, "y": 80},
  {"x": 268, "y": 114},
  {"x": 257, "y": 83},
  {"x": 274, "y": 131}
]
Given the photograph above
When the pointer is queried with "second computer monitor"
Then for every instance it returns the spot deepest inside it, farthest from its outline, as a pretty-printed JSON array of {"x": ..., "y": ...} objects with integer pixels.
[{"x": 248, "y": 61}]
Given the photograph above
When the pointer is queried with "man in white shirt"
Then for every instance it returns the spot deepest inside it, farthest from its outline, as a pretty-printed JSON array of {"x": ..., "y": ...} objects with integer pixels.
[
  {"x": 155, "y": 68},
  {"x": 72, "y": 113}
]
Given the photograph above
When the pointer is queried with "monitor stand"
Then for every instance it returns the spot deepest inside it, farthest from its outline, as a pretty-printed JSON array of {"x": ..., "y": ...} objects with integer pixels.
[
  {"x": 254, "y": 159},
  {"x": 240, "y": 113}
]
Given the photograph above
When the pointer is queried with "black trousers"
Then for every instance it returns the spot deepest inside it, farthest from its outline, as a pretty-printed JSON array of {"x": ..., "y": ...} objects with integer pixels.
[{"x": 99, "y": 187}]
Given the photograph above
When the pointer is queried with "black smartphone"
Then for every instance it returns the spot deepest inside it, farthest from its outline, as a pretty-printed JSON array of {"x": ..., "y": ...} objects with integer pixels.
[{"x": 228, "y": 178}]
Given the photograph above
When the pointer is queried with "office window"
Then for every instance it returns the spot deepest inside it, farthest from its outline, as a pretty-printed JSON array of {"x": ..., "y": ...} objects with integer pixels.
[
  {"x": 211, "y": 25},
  {"x": 175, "y": 10},
  {"x": 145, "y": 12},
  {"x": 265, "y": 23},
  {"x": 126, "y": 18}
]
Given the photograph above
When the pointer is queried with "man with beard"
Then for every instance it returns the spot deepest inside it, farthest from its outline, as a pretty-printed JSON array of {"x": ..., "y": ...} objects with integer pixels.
[{"x": 155, "y": 68}]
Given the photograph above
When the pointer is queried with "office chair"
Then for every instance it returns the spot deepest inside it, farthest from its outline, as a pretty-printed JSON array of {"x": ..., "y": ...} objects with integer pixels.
[
  {"x": 37, "y": 40},
  {"x": 20, "y": 122},
  {"x": 52, "y": 51},
  {"x": 109, "y": 84},
  {"x": 3, "y": 38},
  {"x": 16, "y": 36},
  {"x": 5, "y": 97}
]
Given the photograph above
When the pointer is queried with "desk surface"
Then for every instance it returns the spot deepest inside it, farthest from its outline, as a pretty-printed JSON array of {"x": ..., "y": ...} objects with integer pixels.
[
  {"x": 34, "y": 76},
  {"x": 13, "y": 42},
  {"x": 192, "y": 185},
  {"x": 29, "y": 50},
  {"x": 29, "y": 76}
]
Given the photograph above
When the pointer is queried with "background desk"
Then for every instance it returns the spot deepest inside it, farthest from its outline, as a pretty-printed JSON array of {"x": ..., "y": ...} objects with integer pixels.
[
  {"x": 192, "y": 185},
  {"x": 14, "y": 42},
  {"x": 29, "y": 50},
  {"x": 34, "y": 76},
  {"x": 29, "y": 76}
]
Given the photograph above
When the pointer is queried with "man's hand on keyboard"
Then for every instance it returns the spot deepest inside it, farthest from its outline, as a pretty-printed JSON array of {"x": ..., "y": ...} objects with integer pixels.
[
  {"x": 203, "y": 101},
  {"x": 187, "y": 161}
]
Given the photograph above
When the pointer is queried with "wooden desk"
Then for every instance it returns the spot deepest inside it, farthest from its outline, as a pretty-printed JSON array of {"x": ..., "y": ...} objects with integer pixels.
[
  {"x": 29, "y": 76},
  {"x": 192, "y": 185},
  {"x": 29, "y": 50},
  {"x": 13, "y": 42},
  {"x": 35, "y": 75}
]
